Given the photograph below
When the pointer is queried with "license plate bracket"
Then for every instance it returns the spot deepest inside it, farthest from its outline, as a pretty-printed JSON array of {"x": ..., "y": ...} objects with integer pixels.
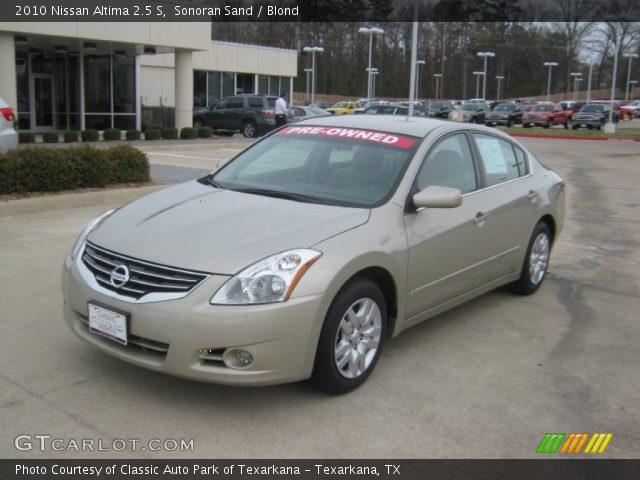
[{"x": 108, "y": 322}]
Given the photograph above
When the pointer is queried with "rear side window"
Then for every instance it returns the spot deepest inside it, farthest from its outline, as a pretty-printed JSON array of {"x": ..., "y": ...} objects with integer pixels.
[
  {"x": 235, "y": 102},
  {"x": 272, "y": 102},
  {"x": 500, "y": 160},
  {"x": 449, "y": 164},
  {"x": 255, "y": 102}
]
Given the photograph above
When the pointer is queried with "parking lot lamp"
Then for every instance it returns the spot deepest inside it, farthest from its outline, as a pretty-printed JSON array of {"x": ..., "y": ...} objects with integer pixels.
[
  {"x": 550, "y": 65},
  {"x": 313, "y": 51},
  {"x": 307, "y": 71},
  {"x": 575, "y": 76},
  {"x": 630, "y": 56},
  {"x": 437, "y": 75},
  {"x": 371, "y": 31},
  {"x": 485, "y": 55},
  {"x": 478, "y": 74},
  {"x": 499, "y": 78}
]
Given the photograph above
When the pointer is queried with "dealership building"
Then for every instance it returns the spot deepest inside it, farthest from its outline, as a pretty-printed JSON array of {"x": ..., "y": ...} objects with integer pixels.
[{"x": 81, "y": 75}]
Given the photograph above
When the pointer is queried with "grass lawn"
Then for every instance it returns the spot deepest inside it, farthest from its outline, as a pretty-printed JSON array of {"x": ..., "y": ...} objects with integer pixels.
[{"x": 621, "y": 132}]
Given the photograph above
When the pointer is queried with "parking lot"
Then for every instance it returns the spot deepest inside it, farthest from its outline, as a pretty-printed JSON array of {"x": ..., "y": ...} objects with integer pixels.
[{"x": 485, "y": 380}]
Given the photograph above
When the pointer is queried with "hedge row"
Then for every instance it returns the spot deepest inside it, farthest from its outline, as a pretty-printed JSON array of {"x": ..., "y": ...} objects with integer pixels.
[
  {"x": 116, "y": 134},
  {"x": 43, "y": 169}
]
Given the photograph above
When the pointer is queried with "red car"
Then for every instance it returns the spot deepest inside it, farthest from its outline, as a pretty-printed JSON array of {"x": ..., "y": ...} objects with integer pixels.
[{"x": 546, "y": 115}]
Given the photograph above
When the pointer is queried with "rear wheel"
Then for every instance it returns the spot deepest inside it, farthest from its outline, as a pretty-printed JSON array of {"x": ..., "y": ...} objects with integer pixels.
[
  {"x": 250, "y": 129},
  {"x": 534, "y": 268},
  {"x": 197, "y": 122},
  {"x": 351, "y": 338}
]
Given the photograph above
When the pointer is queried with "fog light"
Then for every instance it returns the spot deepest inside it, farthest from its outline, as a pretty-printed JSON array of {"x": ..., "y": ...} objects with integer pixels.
[{"x": 236, "y": 358}]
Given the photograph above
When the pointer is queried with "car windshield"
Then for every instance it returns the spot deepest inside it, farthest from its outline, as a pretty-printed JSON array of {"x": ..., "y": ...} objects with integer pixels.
[
  {"x": 470, "y": 107},
  {"x": 505, "y": 108},
  {"x": 592, "y": 108},
  {"x": 341, "y": 105},
  {"x": 326, "y": 165},
  {"x": 435, "y": 105},
  {"x": 543, "y": 108}
]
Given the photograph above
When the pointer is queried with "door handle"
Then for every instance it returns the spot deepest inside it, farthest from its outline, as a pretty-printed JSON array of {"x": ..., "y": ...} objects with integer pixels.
[
  {"x": 480, "y": 218},
  {"x": 533, "y": 194}
]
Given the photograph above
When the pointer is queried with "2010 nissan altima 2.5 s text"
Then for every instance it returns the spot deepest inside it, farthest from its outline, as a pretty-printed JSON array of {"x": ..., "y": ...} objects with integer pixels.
[{"x": 311, "y": 248}]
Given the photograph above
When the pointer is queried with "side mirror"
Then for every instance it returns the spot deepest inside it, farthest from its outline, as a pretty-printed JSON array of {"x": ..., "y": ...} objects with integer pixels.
[{"x": 438, "y": 197}]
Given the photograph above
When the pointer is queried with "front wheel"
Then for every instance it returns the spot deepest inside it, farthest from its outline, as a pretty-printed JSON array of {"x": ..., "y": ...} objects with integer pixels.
[
  {"x": 250, "y": 129},
  {"x": 351, "y": 338},
  {"x": 534, "y": 268}
]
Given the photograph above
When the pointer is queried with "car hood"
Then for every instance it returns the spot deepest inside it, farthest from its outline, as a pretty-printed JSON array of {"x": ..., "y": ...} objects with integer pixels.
[{"x": 197, "y": 227}]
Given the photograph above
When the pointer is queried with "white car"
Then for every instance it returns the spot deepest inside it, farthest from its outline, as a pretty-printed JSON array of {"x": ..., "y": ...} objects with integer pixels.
[{"x": 8, "y": 134}]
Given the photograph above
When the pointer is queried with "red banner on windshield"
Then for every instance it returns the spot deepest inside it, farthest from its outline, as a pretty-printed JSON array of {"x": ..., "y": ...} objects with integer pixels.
[{"x": 383, "y": 138}]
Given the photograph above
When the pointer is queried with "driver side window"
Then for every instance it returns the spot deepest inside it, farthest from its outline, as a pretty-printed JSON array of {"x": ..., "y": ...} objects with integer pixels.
[
  {"x": 220, "y": 105},
  {"x": 449, "y": 164}
]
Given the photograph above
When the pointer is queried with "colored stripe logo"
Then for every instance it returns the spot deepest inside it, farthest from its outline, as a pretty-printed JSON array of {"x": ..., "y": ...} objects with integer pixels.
[{"x": 574, "y": 443}]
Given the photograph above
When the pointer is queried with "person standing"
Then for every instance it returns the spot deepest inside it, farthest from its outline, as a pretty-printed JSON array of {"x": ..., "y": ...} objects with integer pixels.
[{"x": 281, "y": 110}]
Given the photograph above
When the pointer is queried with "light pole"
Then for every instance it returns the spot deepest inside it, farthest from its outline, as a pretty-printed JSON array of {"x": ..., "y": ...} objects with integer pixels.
[
  {"x": 371, "y": 31},
  {"x": 437, "y": 75},
  {"x": 630, "y": 56},
  {"x": 589, "y": 81},
  {"x": 374, "y": 73},
  {"x": 485, "y": 55},
  {"x": 550, "y": 65},
  {"x": 478, "y": 74},
  {"x": 610, "y": 127},
  {"x": 499, "y": 78},
  {"x": 307, "y": 71},
  {"x": 633, "y": 84},
  {"x": 575, "y": 76},
  {"x": 313, "y": 51},
  {"x": 418, "y": 63}
]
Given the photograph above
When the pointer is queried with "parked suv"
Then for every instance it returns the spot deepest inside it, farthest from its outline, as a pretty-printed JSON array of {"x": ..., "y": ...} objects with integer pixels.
[
  {"x": 505, "y": 114},
  {"x": 8, "y": 135},
  {"x": 252, "y": 115}
]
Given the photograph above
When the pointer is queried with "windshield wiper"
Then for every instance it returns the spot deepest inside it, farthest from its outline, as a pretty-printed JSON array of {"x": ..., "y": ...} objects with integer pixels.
[
  {"x": 298, "y": 197},
  {"x": 213, "y": 183}
]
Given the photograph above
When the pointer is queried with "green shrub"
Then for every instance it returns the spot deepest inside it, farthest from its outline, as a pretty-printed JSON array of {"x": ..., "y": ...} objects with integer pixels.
[
  {"x": 90, "y": 135},
  {"x": 50, "y": 137},
  {"x": 205, "y": 132},
  {"x": 150, "y": 127},
  {"x": 26, "y": 137},
  {"x": 188, "y": 133},
  {"x": 132, "y": 135},
  {"x": 169, "y": 133},
  {"x": 43, "y": 169},
  {"x": 152, "y": 134},
  {"x": 127, "y": 164},
  {"x": 70, "y": 137},
  {"x": 112, "y": 134}
]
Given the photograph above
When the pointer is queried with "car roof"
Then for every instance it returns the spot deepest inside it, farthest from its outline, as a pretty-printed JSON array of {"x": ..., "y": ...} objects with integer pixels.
[{"x": 415, "y": 126}]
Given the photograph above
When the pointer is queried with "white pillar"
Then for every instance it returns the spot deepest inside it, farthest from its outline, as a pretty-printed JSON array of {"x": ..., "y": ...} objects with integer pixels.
[
  {"x": 184, "y": 88},
  {"x": 8, "y": 89}
]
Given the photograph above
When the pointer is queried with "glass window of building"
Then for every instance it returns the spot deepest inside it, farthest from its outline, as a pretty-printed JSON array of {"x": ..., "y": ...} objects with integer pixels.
[{"x": 199, "y": 88}]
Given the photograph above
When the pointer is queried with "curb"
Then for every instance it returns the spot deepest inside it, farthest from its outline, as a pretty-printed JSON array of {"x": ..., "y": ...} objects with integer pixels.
[
  {"x": 567, "y": 137},
  {"x": 119, "y": 196}
]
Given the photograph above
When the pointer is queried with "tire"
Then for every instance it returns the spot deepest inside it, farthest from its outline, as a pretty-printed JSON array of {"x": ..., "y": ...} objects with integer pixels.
[
  {"x": 536, "y": 261},
  {"x": 197, "y": 122},
  {"x": 566, "y": 125},
  {"x": 549, "y": 124},
  {"x": 509, "y": 123},
  {"x": 250, "y": 129},
  {"x": 575, "y": 126},
  {"x": 599, "y": 126},
  {"x": 344, "y": 362}
]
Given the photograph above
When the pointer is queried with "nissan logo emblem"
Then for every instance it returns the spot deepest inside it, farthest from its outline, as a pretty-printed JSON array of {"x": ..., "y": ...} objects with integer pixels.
[{"x": 119, "y": 276}]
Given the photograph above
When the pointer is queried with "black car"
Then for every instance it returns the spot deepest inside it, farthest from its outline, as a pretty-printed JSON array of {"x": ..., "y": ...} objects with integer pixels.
[
  {"x": 592, "y": 115},
  {"x": 439, "y": 109},
  {"x": 505, "y": 114},
  {"x": 473, "y": 112},
  {"x": 252, "y": 115}
]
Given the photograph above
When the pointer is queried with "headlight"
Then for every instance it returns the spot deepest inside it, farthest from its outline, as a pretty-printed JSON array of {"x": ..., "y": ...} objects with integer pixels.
[
  {"x": 92, "y": 225},
  {"x": 267, "y": 281}
]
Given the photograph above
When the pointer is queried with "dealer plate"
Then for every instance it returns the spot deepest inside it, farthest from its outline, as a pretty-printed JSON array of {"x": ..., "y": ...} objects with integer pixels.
[{"x": 109, "y": 324}]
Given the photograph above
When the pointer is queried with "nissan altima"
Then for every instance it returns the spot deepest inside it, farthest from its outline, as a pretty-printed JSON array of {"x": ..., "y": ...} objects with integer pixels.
[{"x": 310, "y": 249}]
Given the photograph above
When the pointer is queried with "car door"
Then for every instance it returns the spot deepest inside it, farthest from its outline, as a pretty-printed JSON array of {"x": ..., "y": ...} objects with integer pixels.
[
  {"x": 233, "y": 113},
  {"x": 511, "y": 203},
  {"x": 214, "y": 118},
  {"x": 447, "y": 246}
]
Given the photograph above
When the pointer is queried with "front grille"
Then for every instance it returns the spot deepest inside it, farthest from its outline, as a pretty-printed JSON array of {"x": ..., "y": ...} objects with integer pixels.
[
  {"x": 212, "y": 357},
  {"x": 144, "y": 277}
]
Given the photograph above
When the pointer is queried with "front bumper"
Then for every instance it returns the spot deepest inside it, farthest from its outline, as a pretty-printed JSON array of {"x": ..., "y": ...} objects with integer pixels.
[
  {"x": 497, "y": 121},
  {"x": 594, "y": 122},
  {"x": 188, "y": 337}
]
